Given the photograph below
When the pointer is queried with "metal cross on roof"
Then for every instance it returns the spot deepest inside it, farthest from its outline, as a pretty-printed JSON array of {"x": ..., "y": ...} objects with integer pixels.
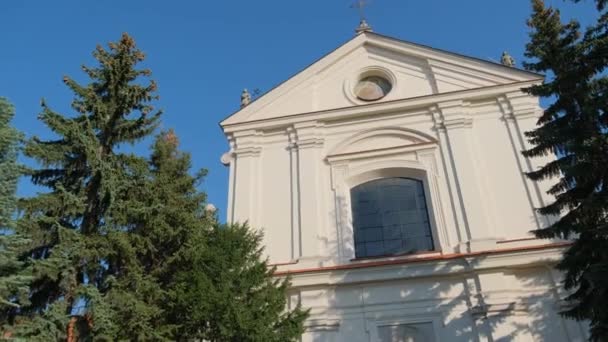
[
  {"x": 360, "y": 5},
  {"x": 363, "y": 25}
]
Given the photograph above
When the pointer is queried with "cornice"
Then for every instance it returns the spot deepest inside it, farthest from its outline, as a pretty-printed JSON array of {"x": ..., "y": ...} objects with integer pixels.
[
  {"x": 380, "y": 108},
  {"x": 431, "y": 266},
  {"x": 381, "y": 152}
]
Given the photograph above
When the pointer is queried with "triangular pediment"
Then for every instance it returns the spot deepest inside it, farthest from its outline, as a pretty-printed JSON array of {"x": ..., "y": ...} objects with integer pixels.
[{"x": 413, "y": 70}]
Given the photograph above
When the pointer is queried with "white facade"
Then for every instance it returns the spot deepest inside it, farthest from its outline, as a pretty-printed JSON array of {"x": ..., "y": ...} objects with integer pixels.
[{"x": 454, "y": 123}]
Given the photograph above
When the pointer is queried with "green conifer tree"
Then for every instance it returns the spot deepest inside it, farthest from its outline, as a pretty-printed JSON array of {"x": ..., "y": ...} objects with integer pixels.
[
  {"x": 575, "y": 128},
  {"x": 165, "y": 213},
  {"x": 77, "y": 245},
  {"x": 177, "y": 244},
  {"x": 14, "y": 271},
  {"x": 227, "y": 291}
]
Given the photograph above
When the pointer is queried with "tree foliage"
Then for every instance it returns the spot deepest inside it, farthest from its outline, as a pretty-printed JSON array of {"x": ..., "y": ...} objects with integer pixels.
[
  {"x": 14, "y": 269},
  {"x": 574, "y": 127},
  {"x": 120, "y": 246},
  {"x": 227, "y": 292},
  {"x": 165, "y": 213},
  {"x": 77, "y": 245},
  {"x": 204, "y": 280}
]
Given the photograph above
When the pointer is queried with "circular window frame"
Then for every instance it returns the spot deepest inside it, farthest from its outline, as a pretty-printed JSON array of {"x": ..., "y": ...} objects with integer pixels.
[{"x": 351, "y": 83}]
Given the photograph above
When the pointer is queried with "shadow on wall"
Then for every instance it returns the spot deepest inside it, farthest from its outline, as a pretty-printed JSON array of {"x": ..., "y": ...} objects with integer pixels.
[
  {"x": 459, "y": 308},
  {"x": 465, "y": 304}
]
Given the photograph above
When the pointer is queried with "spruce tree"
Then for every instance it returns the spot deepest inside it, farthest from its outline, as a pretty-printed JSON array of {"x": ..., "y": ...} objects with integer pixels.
[
  {"x": 78, "y": 247},
  {"x": 226, "y": 291},
  {"x": 165, "y": 213},
  {"x": 14, "y": 270},
  {"x": 574, "y": 128},
  {"x": 177, "y": 244}
]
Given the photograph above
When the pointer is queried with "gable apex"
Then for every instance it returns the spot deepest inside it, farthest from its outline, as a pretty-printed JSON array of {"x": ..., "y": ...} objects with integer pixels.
[{"x": 415, "y": 69}]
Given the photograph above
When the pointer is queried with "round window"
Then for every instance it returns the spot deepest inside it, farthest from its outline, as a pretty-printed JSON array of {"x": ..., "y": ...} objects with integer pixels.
[{"x": 372, "y": 88}]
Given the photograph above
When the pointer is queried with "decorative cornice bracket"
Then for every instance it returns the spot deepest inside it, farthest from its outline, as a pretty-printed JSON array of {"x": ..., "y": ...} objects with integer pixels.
[
  {"x": 246, "y": 143},
  {"x": 306, "y": 135},
  {"x": 451, "y": 114},
  {"x": 523, "y": 105}
]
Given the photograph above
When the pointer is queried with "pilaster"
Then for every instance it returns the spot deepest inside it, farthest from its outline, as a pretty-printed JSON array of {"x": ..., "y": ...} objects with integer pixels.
[
  {"x": 294, "y": 171},
  {"x": 455, "y": 119},
  {"x": 510, "y": 116},
  {"x": 231, "y": 160},
  {"x": 247, "y": 186},
  {"x": 344, "y": 236},
  {"x": 448, "y": 162},
  {"x": 309, "y": 142}
]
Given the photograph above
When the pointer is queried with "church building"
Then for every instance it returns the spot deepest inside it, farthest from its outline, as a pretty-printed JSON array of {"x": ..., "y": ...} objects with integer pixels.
[{"x": 389, "y": 184}]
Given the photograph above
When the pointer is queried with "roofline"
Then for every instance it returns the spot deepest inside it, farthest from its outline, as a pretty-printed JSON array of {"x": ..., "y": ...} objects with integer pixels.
[
  {"x": 458, "y": 54},
  {"x": 540, "y": 76},
  {"x": 290, "y": 77}
]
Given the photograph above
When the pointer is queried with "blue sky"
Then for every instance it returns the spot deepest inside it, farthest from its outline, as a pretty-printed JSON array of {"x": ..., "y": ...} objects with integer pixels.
[{"x": 203, "y": 53}]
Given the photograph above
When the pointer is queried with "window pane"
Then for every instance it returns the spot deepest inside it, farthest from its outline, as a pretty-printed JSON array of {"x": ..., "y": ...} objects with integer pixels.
[{"x": 390, "y": 217}]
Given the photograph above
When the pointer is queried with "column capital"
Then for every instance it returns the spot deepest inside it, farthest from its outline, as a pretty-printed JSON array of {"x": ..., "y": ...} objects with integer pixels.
[
  {"x": 452, "y": 114},
  {"x": 246, "y": 143},
  {"x": 523, "y": 105},
  {"x": 306, "y": 135}
]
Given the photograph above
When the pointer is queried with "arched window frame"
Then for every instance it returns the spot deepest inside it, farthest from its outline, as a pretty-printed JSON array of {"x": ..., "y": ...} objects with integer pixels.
[
  {"x": 397, "y": 174},
  {"x": 412, "y": 171},
  {"x": 417, "y": 161}
]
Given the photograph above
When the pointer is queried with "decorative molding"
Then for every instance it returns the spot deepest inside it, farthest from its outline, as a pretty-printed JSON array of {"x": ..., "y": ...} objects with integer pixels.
[
  {"x": 377, "y": 108},
  {"x": 411, "y": 317},
  {"x": 309, "y": 135},
  {"x": 435, "y": 113},
  {"x": 373, "y": 70},
  {"x": 539, "y": 250},
  {"x": 292, "y": 138},
  {"x": 442, "y": 237},
  {"x": 294, "y": 185},
  {"x": 338, "y": 172},
  {"x": 484, "y": 311},
  {"x": 345, "y": 177},
  {"x": 315, "y": 142},
  {"x": 381, "y": 152},
  {"x": 250, "y": 151},
  {"x": 533, "y": 192},
  {"x": 400, "y": 132},
  {"x": 523, "y": 105},
  {"x": 324, "y": 324},
  {"x": 439, "y": 68},
  {"x": 505, "y": 108},
  {"x": 455, "y": 114},
  {"x": 489, "y": 72},
  {"x": 462, "y": 122},
  {"x": 246, "y": 143}
]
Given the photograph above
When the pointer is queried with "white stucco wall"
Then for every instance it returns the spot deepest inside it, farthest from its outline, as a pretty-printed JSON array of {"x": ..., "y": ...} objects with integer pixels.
[
  {"x": 454, "y": 124},
  {"x": 294, "y": 182}
]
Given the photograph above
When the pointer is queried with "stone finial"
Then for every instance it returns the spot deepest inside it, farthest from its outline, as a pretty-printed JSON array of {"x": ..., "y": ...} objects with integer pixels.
[
  {"x": 245, "y": 98},
  {"x": 507, "y": 59},
  {"x": 363, "y": 27}
]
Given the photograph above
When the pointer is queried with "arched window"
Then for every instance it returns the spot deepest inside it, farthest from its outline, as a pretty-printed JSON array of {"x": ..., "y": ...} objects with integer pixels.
[{"x": 390, "y": 218}]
